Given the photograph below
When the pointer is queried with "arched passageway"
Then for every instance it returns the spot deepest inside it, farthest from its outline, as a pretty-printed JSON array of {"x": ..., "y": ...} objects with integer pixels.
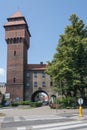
[{"x": 40, "y": 96}]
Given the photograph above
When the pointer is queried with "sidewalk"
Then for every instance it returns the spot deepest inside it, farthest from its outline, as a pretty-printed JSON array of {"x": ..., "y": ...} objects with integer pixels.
[
  {"x": 42, "y": 112},
  {"x": 45, "y": 110}
]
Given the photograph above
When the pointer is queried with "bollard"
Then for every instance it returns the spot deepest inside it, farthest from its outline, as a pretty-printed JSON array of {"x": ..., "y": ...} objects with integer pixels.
[{"x": 80, "y": 111}]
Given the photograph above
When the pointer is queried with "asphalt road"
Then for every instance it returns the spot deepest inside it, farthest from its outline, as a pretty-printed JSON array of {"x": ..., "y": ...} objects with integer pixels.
[
  {"x": 43, "y": 124},
  {"x": 43, "y": 118}
]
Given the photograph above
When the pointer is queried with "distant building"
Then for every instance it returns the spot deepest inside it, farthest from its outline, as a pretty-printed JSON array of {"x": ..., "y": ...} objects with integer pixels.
[
  {"x": 2, "y": 87},
  {"x": 24, "y": 80},
  {"x": 2, "y": 84}
]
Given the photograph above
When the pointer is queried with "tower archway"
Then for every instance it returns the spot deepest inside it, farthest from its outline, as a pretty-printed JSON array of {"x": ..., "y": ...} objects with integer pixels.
[{"x": 40, "y": 96}]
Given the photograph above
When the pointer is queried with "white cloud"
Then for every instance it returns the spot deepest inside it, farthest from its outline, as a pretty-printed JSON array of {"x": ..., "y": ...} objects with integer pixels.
[{"x": 2, "y": 72}]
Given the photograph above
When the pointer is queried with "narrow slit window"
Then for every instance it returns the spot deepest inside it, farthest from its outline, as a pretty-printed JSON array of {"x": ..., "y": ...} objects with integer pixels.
[
  {"x": 14, "y": 80},
  {"x": 14, "y": 53}
]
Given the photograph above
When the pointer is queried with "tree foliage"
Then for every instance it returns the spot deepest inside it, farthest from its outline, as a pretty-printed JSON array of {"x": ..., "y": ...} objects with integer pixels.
[{"x": 68, "y": 68}]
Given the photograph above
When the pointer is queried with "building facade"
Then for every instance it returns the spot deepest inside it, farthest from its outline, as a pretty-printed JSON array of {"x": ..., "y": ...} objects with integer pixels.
[
  {"x": 23, "y": 80},
  {"x": 2, "y": 87}
]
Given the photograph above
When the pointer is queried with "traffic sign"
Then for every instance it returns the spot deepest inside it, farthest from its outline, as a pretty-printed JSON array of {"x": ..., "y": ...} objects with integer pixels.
[
  {"x": 80, "y": 101},
  {"x": 7, "y": 95}
]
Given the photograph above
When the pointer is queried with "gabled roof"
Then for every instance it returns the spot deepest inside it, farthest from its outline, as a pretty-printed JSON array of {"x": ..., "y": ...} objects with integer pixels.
[{"x": 36, "y": 67}]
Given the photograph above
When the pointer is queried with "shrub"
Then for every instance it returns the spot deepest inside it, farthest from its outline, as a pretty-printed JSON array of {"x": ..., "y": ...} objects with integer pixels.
[
  {"x": 68, "y": 102},
  {"x": 24, "y": 103},
  {"x": 14, "y": 104},
  {"x": 35, "y": 104},
  {"x": 32, "y": 104}
]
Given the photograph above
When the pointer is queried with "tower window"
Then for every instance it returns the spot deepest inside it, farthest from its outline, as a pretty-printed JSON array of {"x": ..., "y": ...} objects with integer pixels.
[
  {"x": 14, "y": 40},
  {"x": 14, "y": 80},
  {"x": 20, "y": 40},
  {"x": 14, "y": 53}
]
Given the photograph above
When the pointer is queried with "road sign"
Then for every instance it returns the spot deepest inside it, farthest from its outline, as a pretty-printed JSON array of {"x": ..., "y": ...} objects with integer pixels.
[
  {"x": 80, "y": 101},
  {"x": 7, "y": 95}
]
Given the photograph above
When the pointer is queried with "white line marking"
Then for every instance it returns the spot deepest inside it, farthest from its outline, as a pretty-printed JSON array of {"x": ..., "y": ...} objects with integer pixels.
[
  {"x": 58, "y": 124},
  {"x": 21, "y": 128},
  {"x": 16, "y": 119},
  {"x": 67, "y": 127}
]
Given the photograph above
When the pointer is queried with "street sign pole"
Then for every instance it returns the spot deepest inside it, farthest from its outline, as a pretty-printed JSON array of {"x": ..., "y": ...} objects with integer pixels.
[{"x": 80, "y": 102}]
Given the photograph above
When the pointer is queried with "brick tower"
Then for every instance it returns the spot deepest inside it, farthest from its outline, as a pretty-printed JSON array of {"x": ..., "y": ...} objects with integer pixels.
[{"x": 17, "y": 37}]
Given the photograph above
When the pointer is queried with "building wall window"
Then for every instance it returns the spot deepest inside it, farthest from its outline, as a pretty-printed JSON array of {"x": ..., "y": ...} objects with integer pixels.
[
  {"x": 27, "y": 74},
  {"x": 35, "y": 84},
  {"x": 43, "y": 84},
  {"x": 43, "y": 75},
  {"x": 35, "y": 74},
  {"x": 27, "y": 84}
]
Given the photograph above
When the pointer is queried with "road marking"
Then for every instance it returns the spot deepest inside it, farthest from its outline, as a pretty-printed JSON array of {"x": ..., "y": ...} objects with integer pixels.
[
  {"x": 1, "y": 119},
  {"x": 21, "y": 128},
  {"x": 58, "y": 124},
  {"x": 62, "y": 126},
  {"x": 67, "y": 127},
  {"x": 16, "y": 118},
  {"x": 39, "y": 118}
]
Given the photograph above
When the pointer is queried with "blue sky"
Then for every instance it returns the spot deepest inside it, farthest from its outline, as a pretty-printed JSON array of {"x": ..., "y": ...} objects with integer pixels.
[{"x": 47, "y": 20}]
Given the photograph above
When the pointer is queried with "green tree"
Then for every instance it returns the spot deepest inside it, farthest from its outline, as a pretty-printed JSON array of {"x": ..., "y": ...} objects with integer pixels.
[{"x": 68, "y": 68}]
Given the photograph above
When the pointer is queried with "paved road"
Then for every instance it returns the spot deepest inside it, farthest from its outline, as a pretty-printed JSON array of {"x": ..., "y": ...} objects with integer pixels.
[
  {"x": 42, "y": 118},
  {"x": 45, "y": 123}
]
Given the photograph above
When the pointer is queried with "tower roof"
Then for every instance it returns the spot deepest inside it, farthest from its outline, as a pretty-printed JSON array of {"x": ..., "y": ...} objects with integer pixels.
[
  {"x": 17, "y": 19},
  {"x": 16, "y": 15}
]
